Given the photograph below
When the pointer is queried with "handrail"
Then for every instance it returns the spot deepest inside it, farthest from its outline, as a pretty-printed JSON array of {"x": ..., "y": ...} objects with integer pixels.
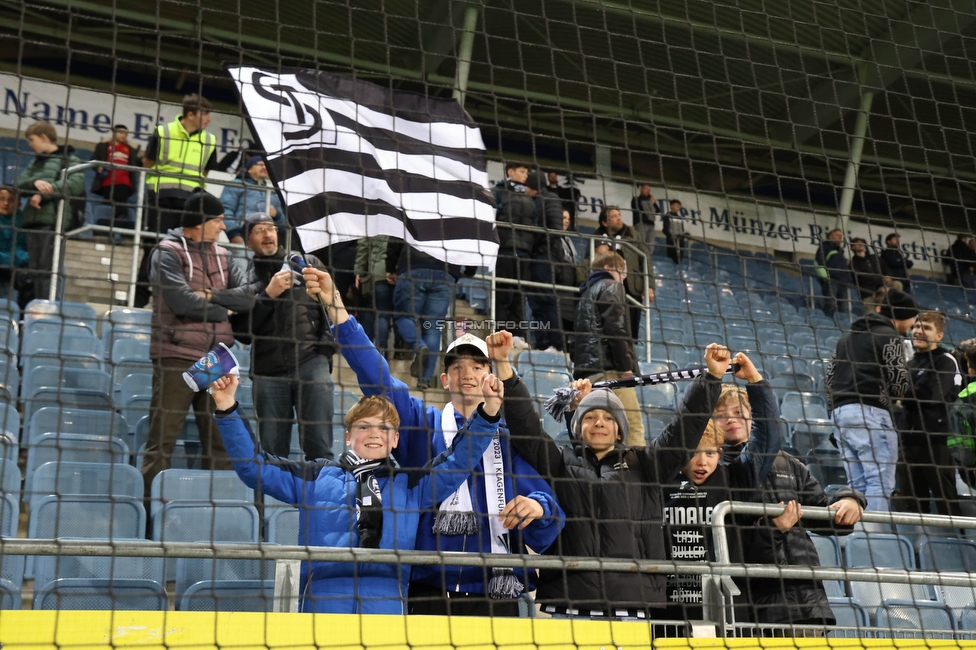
[
  {"x": 644, "y": 303},
  {"x": 136, "y": 231}
]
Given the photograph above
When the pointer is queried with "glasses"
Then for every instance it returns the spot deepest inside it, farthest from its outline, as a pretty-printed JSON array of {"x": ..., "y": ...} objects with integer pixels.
[{"x": 263, "y": 229}]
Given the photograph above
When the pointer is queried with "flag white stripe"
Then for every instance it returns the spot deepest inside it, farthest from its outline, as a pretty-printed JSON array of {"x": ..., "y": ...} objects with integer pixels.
[
  {"x": 344, "y": 226},
  {"x": 416, "y": 205},
  {"x": 441, "y": 134},
  {"x": 436, "y": 167}
]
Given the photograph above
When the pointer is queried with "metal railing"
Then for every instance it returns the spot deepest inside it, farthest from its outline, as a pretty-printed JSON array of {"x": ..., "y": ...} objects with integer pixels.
[
  {"x": 592, "y": 239},
  {"x": 718, "y": 591},
  {"x": 136, "y": 232}
]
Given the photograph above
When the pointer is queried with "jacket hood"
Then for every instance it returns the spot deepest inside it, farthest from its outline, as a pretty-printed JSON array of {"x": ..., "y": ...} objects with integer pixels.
[
  {"x": 595, "y": 276},
  {"x": 873, "y": 321},
  {"x": 176, "y": 234}
]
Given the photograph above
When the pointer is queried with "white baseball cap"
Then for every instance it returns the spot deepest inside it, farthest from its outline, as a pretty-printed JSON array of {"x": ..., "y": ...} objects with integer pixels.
[{"x": 467, "y": 341}]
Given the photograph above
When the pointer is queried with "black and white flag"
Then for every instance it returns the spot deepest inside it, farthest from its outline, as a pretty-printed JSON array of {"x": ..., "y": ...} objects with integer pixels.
[{"x": 353, "y": 159}]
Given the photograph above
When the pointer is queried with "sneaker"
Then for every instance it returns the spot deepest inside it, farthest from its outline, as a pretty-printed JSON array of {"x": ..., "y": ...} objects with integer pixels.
[
  {"x": 419, "y": 362},
  {"x": 519, "y": 343},
  {"x": 422, "y": 385},
  {"x": 552, "y": 349}
]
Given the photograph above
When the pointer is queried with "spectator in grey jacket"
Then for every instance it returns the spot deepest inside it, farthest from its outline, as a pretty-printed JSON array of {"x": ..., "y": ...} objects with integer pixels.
[{"x": 196, "y": 286}]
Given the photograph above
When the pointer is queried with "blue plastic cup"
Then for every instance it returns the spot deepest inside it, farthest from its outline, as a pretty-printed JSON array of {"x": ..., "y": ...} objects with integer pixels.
[{"x": 212, "y": 366}]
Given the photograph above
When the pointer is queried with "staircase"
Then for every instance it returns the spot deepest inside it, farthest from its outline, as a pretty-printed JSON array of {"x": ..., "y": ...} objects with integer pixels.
[{"x": 97, "y": 270}]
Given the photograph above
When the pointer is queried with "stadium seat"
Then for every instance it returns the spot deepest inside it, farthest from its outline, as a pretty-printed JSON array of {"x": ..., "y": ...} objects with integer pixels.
[
  {"x": 74, "y": 399},
  {"x": 283, "y": 526},
  {"x": 797, "y": 406},
  {"x": 9, "y": 335},
  {"x": 542, "y": 382},
  {"x": 134, "y": 408},
  {"x": 541, "y": 360},
  {"x": 949, "y": 554},
  {"x": 882, "y": 550},
  {"x": 52, "y": 419},
  {"x": 9, "y": 374},
  {"x": 914, "y": 619},
  {"x": 126, "y": 316},
  {"x": 197, "y": 486},
  {"x": 9, "y": 449},
  {"x": 93, "y": 479},
  {"x": 74, "y": 447},
  {"x": 190, "y": 571},
  {"x": 131, "y": 348},
  {"x": 658, "y": 396},
  {"x": 967, "y": 619},
  {"x": 88, "y": 594},
  {"x": 48, "y": 568},
  {"x": 9, "y": 419},
  {"x": 40, "y": 308},
  {"x": 136, "y": 383},
  {"x": 810, "y": 434},
  {"x": 229, "y": 596},
  {"x": 52, "y": 344},
  {"x": 849, "y": 614},
  {"x": 74, "y": 378},
  {"x": 203, "y": 522}
]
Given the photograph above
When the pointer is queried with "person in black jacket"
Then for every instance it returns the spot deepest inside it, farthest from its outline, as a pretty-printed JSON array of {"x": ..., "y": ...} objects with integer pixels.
[
  {"x": 961, "y": 262},
  {"x": 604, "y": 347},
  {"x": 706, "y": 482},
  {"x": 925, "y": 422},
  {"x": 868, "y": 270},
  {"x": 782, "y": 540},
  {"x": 834, "y": 272},
  {"x": 612, "y": 493},
  {"x": 291, "y": 347},
  {"x": 422, "y": 293},
  {"x": 515, "y": 206},
  {"x": 896, "y": 262},
  {"x": 542, "y": 301},
  {"x": 640, "y": 269},
  {"x": 564, "y": 274},
  {"x": 863, "y": 380}
]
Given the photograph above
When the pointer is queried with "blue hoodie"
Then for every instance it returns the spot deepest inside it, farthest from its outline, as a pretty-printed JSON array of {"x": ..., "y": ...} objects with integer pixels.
[
  {"x": 326, "y": 496},
  {"x": 421, "y": 438}
]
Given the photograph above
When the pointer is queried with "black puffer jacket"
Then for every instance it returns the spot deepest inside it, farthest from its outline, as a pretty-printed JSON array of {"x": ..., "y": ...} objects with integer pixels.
[
  {"x": 614, "y": 506},
  {"x": 868, "y": 366},
  {"x": 285, "y": 331},
  {"x": 789, "y": 601},
  {"x": 603, "y": 340},
  {"x": 515, "y": 207},
  {"x": 936, "y": 382},
  {"x": 548, "y": 214}
]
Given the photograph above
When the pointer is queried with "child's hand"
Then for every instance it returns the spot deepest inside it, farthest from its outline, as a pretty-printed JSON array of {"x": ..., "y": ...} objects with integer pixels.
[
  {"x": 318, "y": 285},
  {"x": 43, "y": 186},
  {"x": 493, "y": 390},
  {"x": 790, "y": 516},
  {"x": 717, "y": 359},
  {"x": 500, "y": 345},
  {"x": 521, "y": 511},
  {"x": 747, "y": 369},
  {"x": 35, "y": 201},
  {"x": 223, "y": 391},
  {"x": 849, "y": 511},
  {"x": 584, "y": 386}
]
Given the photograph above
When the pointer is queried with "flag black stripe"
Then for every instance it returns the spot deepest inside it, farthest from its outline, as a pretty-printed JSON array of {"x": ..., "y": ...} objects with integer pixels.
[
  {"x": 423, "y": 230},
  {"x": 398, "y": 103},
  {"x": 401, "y": 182},
  {"x": 393, "y": 141}
]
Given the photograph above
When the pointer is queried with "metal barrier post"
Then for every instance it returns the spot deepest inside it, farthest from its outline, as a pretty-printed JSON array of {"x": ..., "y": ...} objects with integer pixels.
[
  {"x": 287, "y": 585},
  {"x": 130, "y": 299},
  {"x": 52, "y": 292}
]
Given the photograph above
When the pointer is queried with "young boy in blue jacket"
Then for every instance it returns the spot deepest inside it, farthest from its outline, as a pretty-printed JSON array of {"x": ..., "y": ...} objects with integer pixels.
[
  {"x": 483, "y": 516},
  {"x": 362, "y": 500}
]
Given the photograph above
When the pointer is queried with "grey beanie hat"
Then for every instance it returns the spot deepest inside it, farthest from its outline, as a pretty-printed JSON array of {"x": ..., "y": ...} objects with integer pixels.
[{"x": 602, "y": 398}]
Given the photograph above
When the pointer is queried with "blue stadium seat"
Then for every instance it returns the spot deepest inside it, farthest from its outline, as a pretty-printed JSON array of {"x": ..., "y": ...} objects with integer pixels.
[
  {"x": 203, "y": 522},
  {"x": 914, "y": 619},
  {"x": 229, "y": 596},
  {"x": 190, "y": 571},
  {"x": 949, "y": 554},
  {"x": 9, "y": 374},
  {"x": 113, "y": 333},
  {"x": 9, "y": 449},
  {"x": 75, "y": 378},
  {"x": 48, "y": 568},
  {"x": 93, "y": 479},
  {"x": 9, "y": 335},
  {"x": 131, "y": 348},
  {"x": 797, "y": 406},
  {"x": 283, "y": 526},
  {"x": 541, "y": 360},
  {"x": 197, "y": 486},
  {"x": 652, "y": 367},
  {"x": 849, "y": 614},
  {"x": 136, "y": 383},
  {"x": 40, "y": 308},
  {"x": 89, "y": 594},
  {"x": 134, "y": 408},
  {"x": 75, "y": 399},
  {"x": 58, "y": 326},
  {"x": 658, "y": 396},
  {"x": 11, "y": 566},
  {"x": 53, "y": 344},
  {"x": 789, "y": 382},
  {"x": 52, "y": 419},
  {"x": 9, "y": 419},
  {"x": 542, "y": 382},
  {"x": 811, "y": 434},
  {"x": 967, "y": 618},
  {"x": 653, "y": 427},
  {"x": 882, "y": 550},
  {"x": 125, "y": 316},
  {"x": 74, "y": 447}
]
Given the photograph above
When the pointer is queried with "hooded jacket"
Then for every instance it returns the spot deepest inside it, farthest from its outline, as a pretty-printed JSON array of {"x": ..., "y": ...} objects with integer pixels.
[
  {"x": 250, "y": 196},
  {"x": 688, "y": 507},
  {"x": 325, "y": 494},
  {"x": 514, "y": 207},
  {"x": 637, "y": 266},
  {"x": 868, "y": 272},
  {"x": 868, "y": 365},
  {"x": 286, "y": 331},
  {"x": 830, "y": 256},
  {"x": 936, "y": 383},
  {"x": 421, "y": 438},
  {"x": 186, "y": 325},
  {"x": 48, "y": 167},
  {"x": 786, "y": 601},
  {"x": 614, "y": 505},
  {"x": 603, "y": 338}
]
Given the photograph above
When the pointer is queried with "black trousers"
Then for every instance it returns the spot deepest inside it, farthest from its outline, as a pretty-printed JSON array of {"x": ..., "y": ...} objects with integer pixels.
[
  {"x": 119, "y": 196},
  {"x": 430, "y": 601},
  {"x": 927, "y": 472}
]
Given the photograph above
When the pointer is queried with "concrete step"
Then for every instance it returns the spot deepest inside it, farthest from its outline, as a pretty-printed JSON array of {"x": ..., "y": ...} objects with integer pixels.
[{"x": 97, "y": 270}]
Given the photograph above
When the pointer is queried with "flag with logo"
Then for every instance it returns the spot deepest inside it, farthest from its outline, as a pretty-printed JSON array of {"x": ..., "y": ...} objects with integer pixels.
[{"x": 353, "y": 159}]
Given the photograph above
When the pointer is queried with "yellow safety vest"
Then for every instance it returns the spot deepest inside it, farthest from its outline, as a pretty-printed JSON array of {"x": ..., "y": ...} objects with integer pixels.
[{"x": 181, "y": 153}]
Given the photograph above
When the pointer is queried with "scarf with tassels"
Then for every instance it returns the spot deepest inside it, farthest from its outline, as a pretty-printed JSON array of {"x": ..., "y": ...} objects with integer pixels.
[
  {"x": 456, "y": 516},
  {"x": 369, "y": 500}
]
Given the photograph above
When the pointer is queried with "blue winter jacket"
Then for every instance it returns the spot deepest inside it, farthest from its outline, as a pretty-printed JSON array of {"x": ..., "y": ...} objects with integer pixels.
[
  {"x": 241, "y": 200},
  {"x": 326, "y": 496},
  {"x": 13, "y": 242},
  {"x": 421, "y": 439}
]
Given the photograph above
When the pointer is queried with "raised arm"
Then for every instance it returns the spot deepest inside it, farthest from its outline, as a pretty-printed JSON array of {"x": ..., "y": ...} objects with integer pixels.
[
  {"x": 283, "y": 479},
  {"x": 757, "y": 456},
  {"x": 669, "y": 452}
]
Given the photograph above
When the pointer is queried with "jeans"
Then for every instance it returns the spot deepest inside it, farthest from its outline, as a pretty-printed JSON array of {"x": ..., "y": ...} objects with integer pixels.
[
  {"x": 377, "y": 314},
  {"x": 422, "y": 295},
  {"x": 648, "y": 235},
  {"x": 869, "y": 446},
  {"x": 277, "y": 399}
]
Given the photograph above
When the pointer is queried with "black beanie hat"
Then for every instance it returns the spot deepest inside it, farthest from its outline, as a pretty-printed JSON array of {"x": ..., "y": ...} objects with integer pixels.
[
  {"x": 200, "y": 207},
  {"x": 899, "y": 305}
]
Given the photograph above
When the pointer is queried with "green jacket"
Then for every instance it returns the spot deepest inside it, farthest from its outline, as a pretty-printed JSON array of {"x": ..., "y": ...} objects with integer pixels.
[
  {"x": 48, "y": 167},
  {"x": 371, "y": 261}
]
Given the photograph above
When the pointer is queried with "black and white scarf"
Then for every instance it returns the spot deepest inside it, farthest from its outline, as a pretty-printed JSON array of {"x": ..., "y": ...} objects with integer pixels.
[{"x": 369, "y": 500}]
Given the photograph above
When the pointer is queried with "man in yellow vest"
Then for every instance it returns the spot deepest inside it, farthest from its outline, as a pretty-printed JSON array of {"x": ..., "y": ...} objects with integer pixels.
[{"x": 182, "y": 147}]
